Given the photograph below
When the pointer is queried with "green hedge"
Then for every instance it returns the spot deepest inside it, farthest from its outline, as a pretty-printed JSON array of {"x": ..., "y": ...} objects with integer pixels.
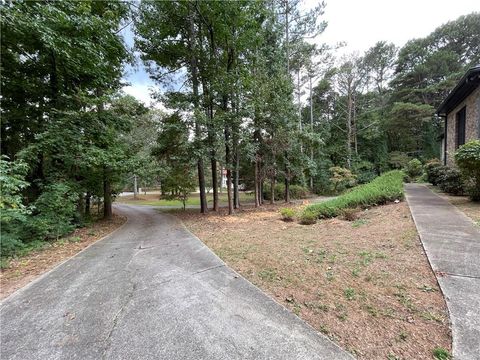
[
  {"x": 385, "y": 188},
  {"x": 296, "y": 191}
]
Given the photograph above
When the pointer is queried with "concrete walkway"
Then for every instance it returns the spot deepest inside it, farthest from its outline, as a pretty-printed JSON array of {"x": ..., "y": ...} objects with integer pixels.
[
  {"x": 151, "y": 290},
  {"x": 452, "y": 244}
]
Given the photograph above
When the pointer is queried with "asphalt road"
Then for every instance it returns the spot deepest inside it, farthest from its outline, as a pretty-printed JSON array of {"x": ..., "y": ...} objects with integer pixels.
[{"x": 151, "y": 290}]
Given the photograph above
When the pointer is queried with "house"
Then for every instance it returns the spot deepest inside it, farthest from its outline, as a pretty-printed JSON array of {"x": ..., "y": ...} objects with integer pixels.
[{"x": 461, "y": 111}]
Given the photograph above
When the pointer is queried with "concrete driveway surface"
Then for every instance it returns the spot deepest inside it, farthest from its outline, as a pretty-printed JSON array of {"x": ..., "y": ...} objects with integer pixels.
[{"x": 151, "y": 290}]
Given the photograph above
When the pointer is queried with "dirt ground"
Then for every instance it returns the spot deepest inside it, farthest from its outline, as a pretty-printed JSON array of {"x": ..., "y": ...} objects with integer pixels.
[
  {"x": 23, "y": 270},
  {"x": 366, "y": 283},
  {"x": 464, "y": 204}
]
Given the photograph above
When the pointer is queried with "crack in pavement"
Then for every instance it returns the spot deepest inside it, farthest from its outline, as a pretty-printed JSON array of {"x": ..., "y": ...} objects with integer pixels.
[
  {"x": 461, "y": 275},
  {"x": 116, "y": 318}
]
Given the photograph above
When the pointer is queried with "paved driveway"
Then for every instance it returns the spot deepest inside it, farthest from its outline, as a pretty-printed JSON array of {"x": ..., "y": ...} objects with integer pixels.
[
  {"x": 151, "y": 290},
  {"x": 452, "y": 244}
]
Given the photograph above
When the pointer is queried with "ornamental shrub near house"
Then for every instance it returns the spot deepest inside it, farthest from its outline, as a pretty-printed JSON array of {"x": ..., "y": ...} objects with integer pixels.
[
  {"x": 434, "y": 169},
  {"x": 467, "y": 158},
  {"x": 414, "y": 169},
  {"x": 451, "y": 181}
]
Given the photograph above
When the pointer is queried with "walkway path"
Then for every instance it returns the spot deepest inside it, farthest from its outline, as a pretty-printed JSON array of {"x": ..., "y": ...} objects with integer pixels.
[
  {"x": 452, "y": 243},
  {"x": 151, "y": 290}
]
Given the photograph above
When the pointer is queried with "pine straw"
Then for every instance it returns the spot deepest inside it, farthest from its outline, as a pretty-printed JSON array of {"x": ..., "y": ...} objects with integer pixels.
[{"x": 366, "y": 284}]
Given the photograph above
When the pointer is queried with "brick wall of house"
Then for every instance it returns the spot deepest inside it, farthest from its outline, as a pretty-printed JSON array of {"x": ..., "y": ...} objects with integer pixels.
[{"x": 472, "y": 123}]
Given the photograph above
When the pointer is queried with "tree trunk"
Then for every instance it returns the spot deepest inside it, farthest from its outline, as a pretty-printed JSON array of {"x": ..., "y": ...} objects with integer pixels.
[
  {"x": 201, "y": 185},
  {"x": 195, "y": 85},
  {"x": 349, "y": 132},
  {"x": 88, "y": 197},
  {"x": 221, "y": 179},
  {"x": 236, "y": 193},
  {"x": 135, "y": 188},
  {"x": 272, "y": 191},
  {"x": 107, "y": 196},
  {"x": 214, "y": 183},
  {"x": 228, "y": 168},
  {"x": 287, "y": 187},
  {"x": 311, "y": 129},
  {"x": 257, "y": 185}
]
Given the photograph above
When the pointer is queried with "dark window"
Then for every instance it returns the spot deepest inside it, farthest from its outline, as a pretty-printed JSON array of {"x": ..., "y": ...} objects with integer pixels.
[{"x": 460, "y": 127}]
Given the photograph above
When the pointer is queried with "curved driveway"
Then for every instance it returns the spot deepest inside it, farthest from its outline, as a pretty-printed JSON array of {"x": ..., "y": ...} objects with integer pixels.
[{"x": 151, "y": 290}]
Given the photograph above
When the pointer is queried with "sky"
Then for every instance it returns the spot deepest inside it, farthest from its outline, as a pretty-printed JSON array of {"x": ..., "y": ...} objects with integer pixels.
[{"x": 359, "y": 23}]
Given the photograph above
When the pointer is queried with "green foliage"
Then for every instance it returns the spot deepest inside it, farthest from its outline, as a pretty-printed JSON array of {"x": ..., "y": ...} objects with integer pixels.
[
  {"x": 55, "y": 211},
  {"x": 440, "y": 353},
  {"x": 296, "y": 192},
  {"x": 414, "y": 169},
  {"x": 308, "y": 217},
  {"x": 385, "y": 188},
  {"x": 398, "y": 160},
  {"x": 288, "y": 214},
  {"x": 173, "y": 151},
  {"x": 467, "y": 158},
  {"x": 433, "y": 169},
  {"x": 451, "y": 181},
  {"x": 341, "y": 178},
  {"x": 13, "y": 213},
  {"x": 364, "y": 171}
]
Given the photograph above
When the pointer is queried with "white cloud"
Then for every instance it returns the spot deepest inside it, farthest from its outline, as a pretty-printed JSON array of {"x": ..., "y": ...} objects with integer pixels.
[{"x": 361, "y": 23}]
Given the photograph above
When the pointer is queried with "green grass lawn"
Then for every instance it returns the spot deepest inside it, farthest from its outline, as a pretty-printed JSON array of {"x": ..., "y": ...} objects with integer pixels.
[{"x": 193, "y": 200}]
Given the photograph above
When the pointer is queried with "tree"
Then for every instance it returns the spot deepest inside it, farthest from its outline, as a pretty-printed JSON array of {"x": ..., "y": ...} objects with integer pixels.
[{"x": 173, "y": 150}]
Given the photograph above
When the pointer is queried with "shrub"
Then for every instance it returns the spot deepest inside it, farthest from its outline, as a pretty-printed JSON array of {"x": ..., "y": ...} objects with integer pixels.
[
  {"x": 288, "y": 214},
  {"x": 414, "y": 168},
  {"x": 341, "y": 178},
  {"x": 364, "y": 171},
  {"x": 13, "y": 214},
  {"x": 467, "y": 158},
  {"x": 296, "y": 192},
  {"x": 55, "y": 211},
  {"x": 387, "y": 187},
  {"x": 398, "y": 160},
  {"x": 450, "y": 181},
  {"x": 433, "y": 169},
  {"x": 308, "y": 217}
]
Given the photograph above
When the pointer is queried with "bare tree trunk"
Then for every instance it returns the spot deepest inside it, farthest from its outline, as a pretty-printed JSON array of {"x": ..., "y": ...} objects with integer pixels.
[
  {"x": 349, "y": 131},
  {"x": 201, "y": 185},
  {"x": 256, "y": 183},
  {"x": 214, "y": 183},
  {"x": 354, "y": 124},
  {"x": 88, "y": 197},
  {"x": 311, "y": 128},
  {"x": 135, "y": 189},
  {"x": 107, "y": 195},
  {"x": 287, "y": 186},
  {"x": 236, "y": 193},
  {"x": 229, "y": 172},
  {"x": 272, "y": 190}
]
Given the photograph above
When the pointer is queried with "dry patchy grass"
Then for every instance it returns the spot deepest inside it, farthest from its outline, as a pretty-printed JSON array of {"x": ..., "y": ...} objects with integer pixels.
[
  {"x": 366, "y": 284},
  {"x": 23, "y": 270},
  {"x": 464, "y": 204}
]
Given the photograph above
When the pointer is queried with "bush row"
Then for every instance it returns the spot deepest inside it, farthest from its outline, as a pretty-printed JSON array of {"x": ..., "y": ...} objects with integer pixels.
[
  {"x": 462, "y": 180},
  {"x": 385, "y": 188},
  {"x": 296, "y": 192},
  {"x": 51, "y": 216}
]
